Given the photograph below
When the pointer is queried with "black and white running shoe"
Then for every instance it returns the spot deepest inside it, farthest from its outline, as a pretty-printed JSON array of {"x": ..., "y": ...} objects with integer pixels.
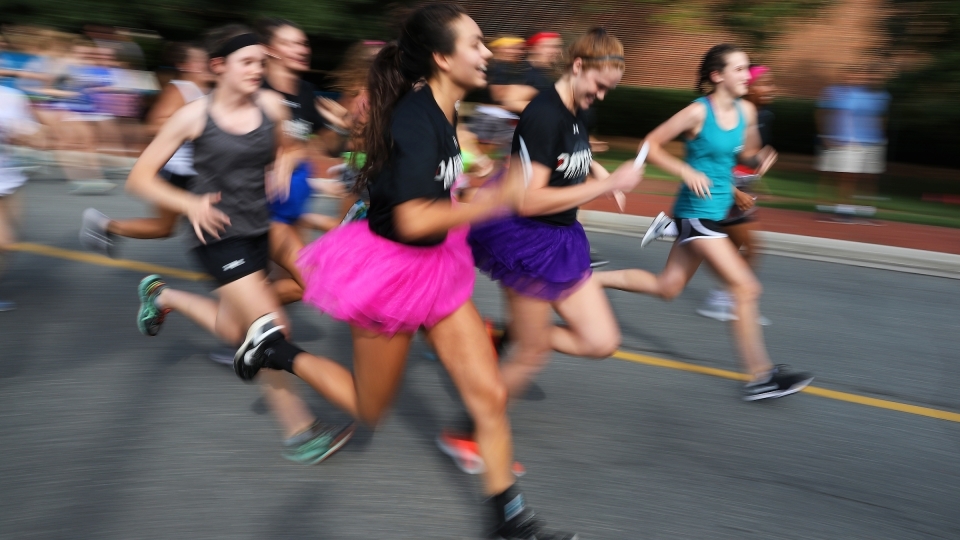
[
  {"x": 657, "y": 229},
  {"x": 781, "y": 382},
  {"x": 527, "y": 527},
  {"x": 93, "y": 232},
  {"x": 249, "y": 357}
]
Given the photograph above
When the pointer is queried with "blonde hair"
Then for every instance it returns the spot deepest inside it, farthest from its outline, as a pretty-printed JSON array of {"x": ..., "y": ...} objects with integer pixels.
[{"x": 597, "y": 49}]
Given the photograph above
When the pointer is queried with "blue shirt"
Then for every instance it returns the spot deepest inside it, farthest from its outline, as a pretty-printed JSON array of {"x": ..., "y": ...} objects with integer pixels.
[
  {"x": 855, "y": 114},
  {"x": 714, "y": 153}
]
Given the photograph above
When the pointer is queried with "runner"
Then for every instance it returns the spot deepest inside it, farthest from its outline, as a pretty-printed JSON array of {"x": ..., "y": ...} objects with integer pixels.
[
  {"x": 720, "y": 129},
  {"x": 97, "y": 231},
  {"x": 542, "y": 257},
  {"x": 17, "y": 126},
  {"x": 235, "y": 132},
  {"x": 409, "y": 266},
  {"x": 741, "y": 223}
]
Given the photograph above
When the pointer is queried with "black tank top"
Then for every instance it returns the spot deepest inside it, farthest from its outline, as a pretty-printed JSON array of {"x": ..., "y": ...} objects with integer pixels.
[{"x": 235, "y": 166}]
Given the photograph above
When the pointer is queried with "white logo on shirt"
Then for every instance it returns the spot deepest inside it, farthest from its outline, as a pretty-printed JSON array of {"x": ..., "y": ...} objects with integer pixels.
[
  {"x": 576, "y": 129},
  {"x": 574, "y": 165},
  {"x": 234, "y": 264},
  {"x": 738, "y": 149},
  {"x": 449, "y": 170}
]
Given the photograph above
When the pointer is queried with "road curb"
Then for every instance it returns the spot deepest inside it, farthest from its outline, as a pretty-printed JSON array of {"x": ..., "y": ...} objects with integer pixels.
[{"x": 913, "y": 261}]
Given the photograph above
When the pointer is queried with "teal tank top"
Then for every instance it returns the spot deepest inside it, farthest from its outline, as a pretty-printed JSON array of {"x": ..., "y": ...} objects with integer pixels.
[{"x": 714, "y": 153}]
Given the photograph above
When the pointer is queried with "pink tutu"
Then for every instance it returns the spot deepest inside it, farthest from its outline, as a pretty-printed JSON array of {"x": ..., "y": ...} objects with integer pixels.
[{"x": 366, "y": 280}]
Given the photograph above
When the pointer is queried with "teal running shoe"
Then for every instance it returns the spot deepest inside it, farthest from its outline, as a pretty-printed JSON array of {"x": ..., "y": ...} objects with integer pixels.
[
  {"x": 150, "y": 317},
  {"x": 317, "y": 443}
]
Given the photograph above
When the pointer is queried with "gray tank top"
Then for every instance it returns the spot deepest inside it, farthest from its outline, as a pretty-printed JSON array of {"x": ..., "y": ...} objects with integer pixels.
[{"x": 235, "y": 166}]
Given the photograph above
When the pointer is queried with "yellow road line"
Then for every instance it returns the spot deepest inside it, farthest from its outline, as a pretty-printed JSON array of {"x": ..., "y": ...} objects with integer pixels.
[
  {"x": 138, "y": 266},
  {"x": 817, "y": 391},
  {"x": 100, "y": 260}
]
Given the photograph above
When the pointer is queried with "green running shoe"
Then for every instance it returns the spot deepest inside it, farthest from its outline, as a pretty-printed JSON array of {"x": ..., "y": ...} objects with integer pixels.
[
  {"x": 322, "y": 441},
  {"x": 150, "y": 317}
]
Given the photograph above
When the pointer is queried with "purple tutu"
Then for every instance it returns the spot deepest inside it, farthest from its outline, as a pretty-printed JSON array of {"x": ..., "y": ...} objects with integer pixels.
[
  {"x": 534, "y": 259},
  {"x": 363, "y": 279}
]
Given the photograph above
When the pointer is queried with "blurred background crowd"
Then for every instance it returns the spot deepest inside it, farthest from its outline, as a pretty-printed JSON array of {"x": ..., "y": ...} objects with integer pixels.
[{"x": 867, "y": 81}]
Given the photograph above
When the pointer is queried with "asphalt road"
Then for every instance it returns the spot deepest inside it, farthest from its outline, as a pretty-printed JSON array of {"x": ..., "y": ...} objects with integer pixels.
[{"x": 107, "y": 434}]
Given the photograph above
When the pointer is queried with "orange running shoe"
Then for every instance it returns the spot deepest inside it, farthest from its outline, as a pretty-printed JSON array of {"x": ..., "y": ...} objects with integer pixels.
[{"x": 466, "y": 453}]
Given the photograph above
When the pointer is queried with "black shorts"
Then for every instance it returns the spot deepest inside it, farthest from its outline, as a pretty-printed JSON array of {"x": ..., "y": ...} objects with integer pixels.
[
  {"x": 177, "y": 180},
  {"x": 736, "y": 216},
  {"x": 691, "y": 228},
  {"x": 234, "y": 258}
]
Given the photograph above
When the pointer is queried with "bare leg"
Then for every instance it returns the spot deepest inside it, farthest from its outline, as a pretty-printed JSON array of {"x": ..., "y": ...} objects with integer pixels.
[
  {"x": 530, "y": 333},
  {"x": 285, "y": 246},
  {"x": 466, "y": 352},
  {"x": 591, "y": 329},
  {"x": 9, "y": 220},
  {"x": 723, "y": 257},
  {"x": 318, "y": 222},
  {"x": 378, "y": 362},
  {"x": 291, "y": 412},
  {"x": 744, "y": 238},
  {"x": 682, "y": 263},
  {"x": 162, "y": 226}
]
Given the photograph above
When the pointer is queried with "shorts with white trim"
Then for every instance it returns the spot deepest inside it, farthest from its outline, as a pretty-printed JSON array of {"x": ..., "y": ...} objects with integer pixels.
[
  {"x": 693, "y": 228},
  {"x": 233, "y": 258}
]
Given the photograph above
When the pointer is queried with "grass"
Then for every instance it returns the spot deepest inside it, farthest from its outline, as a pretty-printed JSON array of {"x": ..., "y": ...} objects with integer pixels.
[{"x": 799, "y": 190}]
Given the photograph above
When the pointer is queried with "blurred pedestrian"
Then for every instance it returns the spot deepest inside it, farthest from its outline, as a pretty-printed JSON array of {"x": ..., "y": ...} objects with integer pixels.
[{"x": 851, "y": 119}]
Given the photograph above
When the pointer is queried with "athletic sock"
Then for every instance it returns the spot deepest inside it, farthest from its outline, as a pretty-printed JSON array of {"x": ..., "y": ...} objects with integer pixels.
[
  {"x": 509, "y": 504},
  {"x": 280, "y": 354}
]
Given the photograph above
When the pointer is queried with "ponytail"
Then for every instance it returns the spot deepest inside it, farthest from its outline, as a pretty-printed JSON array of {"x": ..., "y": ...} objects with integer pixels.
[{"x": 396, "y": 69}]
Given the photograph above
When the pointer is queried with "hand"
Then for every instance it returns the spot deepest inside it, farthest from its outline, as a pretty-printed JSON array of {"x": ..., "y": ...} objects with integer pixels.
[
  {"x": 277, "y": 180},
  {"x": 766, "y": 157},
  {"x": 334, "y": 113},
  {"x": 206, "y": 218},
  {"x": 744, "y": 201},
  {"x": 625, "y": 178},
  {"x": 698, "y": 182}
]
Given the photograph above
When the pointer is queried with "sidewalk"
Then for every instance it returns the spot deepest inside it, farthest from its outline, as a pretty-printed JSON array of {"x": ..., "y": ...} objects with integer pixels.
[{"x": 905, "y": 247}]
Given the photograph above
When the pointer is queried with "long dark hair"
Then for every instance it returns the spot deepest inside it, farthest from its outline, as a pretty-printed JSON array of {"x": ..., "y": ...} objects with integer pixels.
[
  {"x": 714, "y": 60},
  {"x": 267, "y": 28},
  {"x": 395, "y": 70}
]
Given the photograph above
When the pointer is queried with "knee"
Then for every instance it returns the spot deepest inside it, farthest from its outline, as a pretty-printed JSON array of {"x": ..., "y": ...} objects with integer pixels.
[
  {"x": 670, "y": 289},
  {"x": 747, "y": 291},
  {"x": 603, "y": 344},
  {"x": 489, "y": 399}
]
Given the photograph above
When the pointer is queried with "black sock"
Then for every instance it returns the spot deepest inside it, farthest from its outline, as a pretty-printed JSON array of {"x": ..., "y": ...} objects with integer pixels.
[
  {"x": 280, "y": 354},
  {"x": 509, "y": 504}
]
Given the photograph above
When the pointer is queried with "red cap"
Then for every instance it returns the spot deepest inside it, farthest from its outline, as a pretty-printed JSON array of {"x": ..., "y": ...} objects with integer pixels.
[{"x": 540, "y": 36}]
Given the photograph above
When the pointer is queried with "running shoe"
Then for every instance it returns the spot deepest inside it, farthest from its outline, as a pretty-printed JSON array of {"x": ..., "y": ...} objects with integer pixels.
[
  {"x": 93, "y": 232},
  {"x": 657, "y": 229},
  {"x": 150, "y": 317},
  {"x": 781, "y": 382},
  {"x": 719, "y": 307},
  {"x": 527, "y": 526},
  {"x": 318, "y": 443},
  {"x": 249, "y": 358},
  {"x": 596, "y": 261},
  {"x": 7, "y": 305},
  {"x": 466, "y": 453}
]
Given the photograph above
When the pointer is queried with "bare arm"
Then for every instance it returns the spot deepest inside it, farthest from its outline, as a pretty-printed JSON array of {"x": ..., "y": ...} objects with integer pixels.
[
  {"x": 513, "y": 97},
  {"x": 422, "y": 218},
  {"x": 169, "y": 102},
  {"x": 687, "y": 121},
  {"x": 185, "y": 125},
  {"x": 753, "y": 156},
  {"x": 541, "y": 199}
]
